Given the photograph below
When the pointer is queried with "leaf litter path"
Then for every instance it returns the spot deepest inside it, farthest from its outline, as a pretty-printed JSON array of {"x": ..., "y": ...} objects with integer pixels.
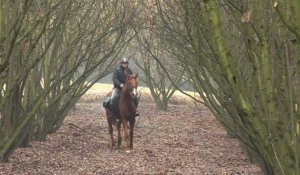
[{"x": 184, "y": 140}]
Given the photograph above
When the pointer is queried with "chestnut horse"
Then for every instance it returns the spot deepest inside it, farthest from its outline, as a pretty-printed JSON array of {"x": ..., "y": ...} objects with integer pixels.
[{"x": 127, "y": 112}]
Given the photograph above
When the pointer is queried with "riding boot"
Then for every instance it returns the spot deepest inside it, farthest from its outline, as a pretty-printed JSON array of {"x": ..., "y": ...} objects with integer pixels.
[{"x": 137, "y": 113}]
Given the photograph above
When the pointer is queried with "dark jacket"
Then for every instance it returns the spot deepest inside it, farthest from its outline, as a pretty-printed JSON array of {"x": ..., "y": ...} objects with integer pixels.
[{"x": 119, "y": 76}]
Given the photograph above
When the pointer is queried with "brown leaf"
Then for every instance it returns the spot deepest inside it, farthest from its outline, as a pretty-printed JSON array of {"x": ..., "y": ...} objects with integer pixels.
[{"x": 184, "y": 140}]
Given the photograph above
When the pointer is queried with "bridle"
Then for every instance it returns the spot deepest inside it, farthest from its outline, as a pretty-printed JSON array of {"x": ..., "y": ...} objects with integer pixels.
[{"x": 132, "y": 90}]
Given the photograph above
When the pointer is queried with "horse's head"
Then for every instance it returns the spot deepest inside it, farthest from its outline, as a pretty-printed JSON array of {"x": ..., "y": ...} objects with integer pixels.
[{"x": 133, "y": 83}]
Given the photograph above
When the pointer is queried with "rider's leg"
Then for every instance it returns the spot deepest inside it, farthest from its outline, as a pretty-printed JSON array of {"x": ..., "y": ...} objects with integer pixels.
[{"x": 115, "y": 99}]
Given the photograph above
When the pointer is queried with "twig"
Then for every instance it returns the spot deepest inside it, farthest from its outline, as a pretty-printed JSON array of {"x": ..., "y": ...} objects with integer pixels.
[{"x": 83, "y": 130}]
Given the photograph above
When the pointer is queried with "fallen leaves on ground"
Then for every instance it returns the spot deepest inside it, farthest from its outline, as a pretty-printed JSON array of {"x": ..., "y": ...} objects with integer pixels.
[{"x": 184, "y": 140}]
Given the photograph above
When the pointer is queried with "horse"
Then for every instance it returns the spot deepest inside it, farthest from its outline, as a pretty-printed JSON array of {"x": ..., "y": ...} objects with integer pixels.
[{"x": 127, "y": 112}]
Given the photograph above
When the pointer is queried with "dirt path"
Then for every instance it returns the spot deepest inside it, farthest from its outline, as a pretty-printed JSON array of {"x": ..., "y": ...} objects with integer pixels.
[{"x": 185, "y": 140}]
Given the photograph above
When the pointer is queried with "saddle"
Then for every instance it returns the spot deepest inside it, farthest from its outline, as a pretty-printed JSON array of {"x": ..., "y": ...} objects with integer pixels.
[{"x": 113, "y": 106}]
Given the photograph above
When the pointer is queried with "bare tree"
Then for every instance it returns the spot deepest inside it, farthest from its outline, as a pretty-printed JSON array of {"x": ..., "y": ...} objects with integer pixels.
[
  {"x": 51, "y": 51},
  {"x": 151, "y": 48},
  {"x": 243, "y": 63}
]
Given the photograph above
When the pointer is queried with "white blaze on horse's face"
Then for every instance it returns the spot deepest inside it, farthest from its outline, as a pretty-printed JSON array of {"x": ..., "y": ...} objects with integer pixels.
[{"x": 135, "y": 92}]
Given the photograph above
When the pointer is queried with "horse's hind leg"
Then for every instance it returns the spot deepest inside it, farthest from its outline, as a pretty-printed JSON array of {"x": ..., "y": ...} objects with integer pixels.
[
  {"x": 110, "y": 130},
  {"x": 119, "y": 133},
  {"x": 131, "y": 122}
]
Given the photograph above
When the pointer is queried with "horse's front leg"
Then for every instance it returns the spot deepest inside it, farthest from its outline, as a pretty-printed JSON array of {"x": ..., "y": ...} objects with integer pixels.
[
  {"x": 131, "y": 122},
  {"x": 119, "y": 133},
  {"x": 126, "y": 135}
]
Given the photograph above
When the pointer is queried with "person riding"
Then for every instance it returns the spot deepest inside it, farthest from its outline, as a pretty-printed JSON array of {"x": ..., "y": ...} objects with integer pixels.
[{"x": 119, "y": 79}]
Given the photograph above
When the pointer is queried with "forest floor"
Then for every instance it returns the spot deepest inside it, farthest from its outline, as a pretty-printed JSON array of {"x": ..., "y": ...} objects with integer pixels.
[{"x": 184, "y": 140}]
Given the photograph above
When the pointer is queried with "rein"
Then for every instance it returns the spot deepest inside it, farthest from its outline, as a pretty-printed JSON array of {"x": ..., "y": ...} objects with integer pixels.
[{"x": 127, "y": 92}]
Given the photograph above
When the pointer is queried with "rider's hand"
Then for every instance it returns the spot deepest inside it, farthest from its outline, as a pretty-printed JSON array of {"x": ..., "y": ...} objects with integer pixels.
[{"x": 121, "y": 85}]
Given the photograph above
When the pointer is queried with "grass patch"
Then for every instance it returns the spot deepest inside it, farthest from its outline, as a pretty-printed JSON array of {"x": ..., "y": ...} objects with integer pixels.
[{"x": 98, "y": 91}]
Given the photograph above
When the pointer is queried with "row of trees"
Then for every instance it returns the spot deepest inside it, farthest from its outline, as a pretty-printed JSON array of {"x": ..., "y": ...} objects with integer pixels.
[
  {"x": 241, "y": 56},
  {"x": 48, "y": 52},
  {"x": 153, "y": 51},
  {"x": 243, "y": 59}
]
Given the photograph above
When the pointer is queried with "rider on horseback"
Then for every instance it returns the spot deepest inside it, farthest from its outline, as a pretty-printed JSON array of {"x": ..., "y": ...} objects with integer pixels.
[{"x": 119, "y": 79}]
